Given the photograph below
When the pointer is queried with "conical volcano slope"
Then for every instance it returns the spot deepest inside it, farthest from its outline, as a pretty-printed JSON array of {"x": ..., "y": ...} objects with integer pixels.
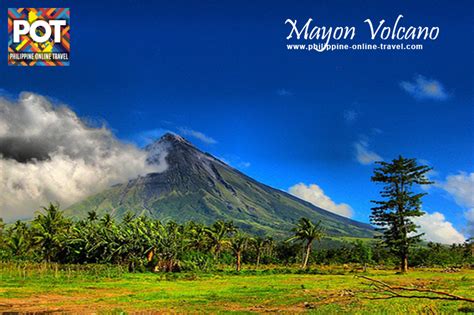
[{"x": 197, "y": 186}]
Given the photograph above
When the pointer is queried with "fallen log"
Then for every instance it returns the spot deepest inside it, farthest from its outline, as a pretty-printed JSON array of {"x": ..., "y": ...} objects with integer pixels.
[{"x": 395, "y": 292}]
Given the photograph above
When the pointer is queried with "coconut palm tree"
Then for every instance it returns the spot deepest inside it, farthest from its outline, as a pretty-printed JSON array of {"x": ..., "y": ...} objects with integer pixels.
[
  {"x": 196, "y": 233},
  {"x": 307, "y": 232},
  {"x": 92, "y": 216},
  {"x": 48, "y": 230},
  {"x": 107, "y": 220},
  {"x": 260, "y": 244},
  {"x": 218, "y": 235},
  {"x": 170, "y": 246},
  {"x": 238, "y": 244}
]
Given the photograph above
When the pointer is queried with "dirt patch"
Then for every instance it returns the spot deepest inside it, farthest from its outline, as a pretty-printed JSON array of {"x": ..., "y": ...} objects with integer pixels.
[
  {"x": 286, "y": 309},
  {"x": 56, "y": 303},
  {"x": 37, "y": 303}
]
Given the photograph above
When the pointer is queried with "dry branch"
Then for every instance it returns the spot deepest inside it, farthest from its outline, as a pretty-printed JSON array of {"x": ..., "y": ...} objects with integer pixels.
[{"x": 439, "y": 295}]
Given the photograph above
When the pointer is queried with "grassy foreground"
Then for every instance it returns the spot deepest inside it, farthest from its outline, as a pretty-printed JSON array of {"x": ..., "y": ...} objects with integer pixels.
[{"x": 333, "y": 290}]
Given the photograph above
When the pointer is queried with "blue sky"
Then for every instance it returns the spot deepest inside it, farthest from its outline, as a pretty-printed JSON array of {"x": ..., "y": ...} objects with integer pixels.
[{"x": 219, "y": 73}]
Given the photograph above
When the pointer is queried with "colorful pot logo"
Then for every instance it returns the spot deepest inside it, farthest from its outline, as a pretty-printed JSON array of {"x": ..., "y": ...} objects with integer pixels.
[{"x": 38, "y": 37}]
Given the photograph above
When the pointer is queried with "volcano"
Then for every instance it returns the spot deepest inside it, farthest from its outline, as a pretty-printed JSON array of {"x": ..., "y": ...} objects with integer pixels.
[{"x": 197, "y": 186}]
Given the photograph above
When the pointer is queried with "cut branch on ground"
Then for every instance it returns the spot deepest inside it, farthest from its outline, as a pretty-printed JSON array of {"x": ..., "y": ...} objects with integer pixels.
[{"x": 397, "y": 292}]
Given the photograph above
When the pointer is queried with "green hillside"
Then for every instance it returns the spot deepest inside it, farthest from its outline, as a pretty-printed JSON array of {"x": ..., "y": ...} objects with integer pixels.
[{"x": 199, "y": 187}]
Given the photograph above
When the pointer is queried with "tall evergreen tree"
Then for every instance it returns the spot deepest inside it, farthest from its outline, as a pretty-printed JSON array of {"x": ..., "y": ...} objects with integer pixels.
[{"x": 401, "y": 203}]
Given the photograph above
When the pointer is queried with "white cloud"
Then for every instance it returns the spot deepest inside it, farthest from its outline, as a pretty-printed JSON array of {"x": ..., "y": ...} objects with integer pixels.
[
  {"x": 315, "y": 195},
  {"x": 350, "y": 116},
  {"x": 186, "y": 132},
  {"x": 437, "y": 229},
  {"x": 469, "y": 214},
  {"x": 244, "y": 164},
  {"x": 363, "y": 153},
  {"x": 284, "y": 92},
  {"x": 422, "y": 88},
  {"x": 48, "y": 154},
  {"x": 461, "y": 188},
  {"x": 234, "y": 161}
]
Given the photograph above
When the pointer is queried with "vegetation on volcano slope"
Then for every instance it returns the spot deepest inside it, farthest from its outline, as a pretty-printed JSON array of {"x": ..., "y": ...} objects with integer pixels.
[{"x": 198, "y": 187}]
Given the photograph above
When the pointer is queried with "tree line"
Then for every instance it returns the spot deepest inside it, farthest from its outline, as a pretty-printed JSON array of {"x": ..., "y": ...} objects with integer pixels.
[{"x": 143, "y": 243}]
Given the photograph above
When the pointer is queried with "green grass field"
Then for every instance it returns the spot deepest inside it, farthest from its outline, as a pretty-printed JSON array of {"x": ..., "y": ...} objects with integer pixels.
[{"x": 335, "y": 290}]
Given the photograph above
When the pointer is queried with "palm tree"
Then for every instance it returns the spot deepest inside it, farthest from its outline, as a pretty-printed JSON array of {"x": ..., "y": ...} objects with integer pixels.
[
  {"x": 128, "y": 217},
  {"x": 49, "y": 228},
  {"x": 107, "y": 220},
  {"x": 170, "y": 246},
  {"x": 238, "y": 244},
  {"x": 260, "y": 244},
  {"x": 307, "y": 231},
  {"x": 18, "y": 240},
  {"x": 133, "y": 241},
  {"x": 196, "y": 232},
  {"x": 103, "y": 242},
  {"x": 218, "y": 236},
  {"x": 92, "y": 216}
]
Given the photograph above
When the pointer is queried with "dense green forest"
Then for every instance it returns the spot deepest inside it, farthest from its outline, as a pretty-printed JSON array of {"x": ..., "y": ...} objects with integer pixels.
[{"x": 141, "y": 244}]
